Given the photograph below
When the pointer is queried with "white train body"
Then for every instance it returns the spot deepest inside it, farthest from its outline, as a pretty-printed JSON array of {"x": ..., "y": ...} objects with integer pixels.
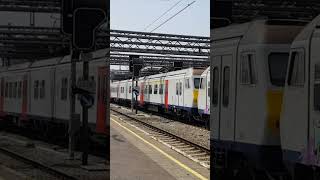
[
  {"x": 300, "y": 125},
  {"x": 172, "y": 91},
  {"x": 40, "y": 91},
  {"x": 204, "y": 94},
  {"x": 248, "y": 69}
]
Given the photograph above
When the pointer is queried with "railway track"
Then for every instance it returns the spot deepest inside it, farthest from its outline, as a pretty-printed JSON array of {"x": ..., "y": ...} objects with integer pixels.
[
  {"x": 183, "y": 146},
  {"x": 46, "y": 172},
  {"x": 168, "y": 116}
]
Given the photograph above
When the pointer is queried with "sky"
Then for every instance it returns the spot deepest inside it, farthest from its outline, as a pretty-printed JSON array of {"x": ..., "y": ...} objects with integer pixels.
[{"x": 136, "y": 15}]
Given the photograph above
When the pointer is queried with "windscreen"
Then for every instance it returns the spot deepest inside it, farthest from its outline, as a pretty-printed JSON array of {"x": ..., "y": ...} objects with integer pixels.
[
  {"x": 196, "y": 83},
  {"x": 278, "y": 63}
]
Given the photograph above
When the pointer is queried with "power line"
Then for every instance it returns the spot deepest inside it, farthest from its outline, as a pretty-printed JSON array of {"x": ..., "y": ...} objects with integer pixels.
[
  {"x": 173, "y": 16},
  {"x": 163, "y": 14}
]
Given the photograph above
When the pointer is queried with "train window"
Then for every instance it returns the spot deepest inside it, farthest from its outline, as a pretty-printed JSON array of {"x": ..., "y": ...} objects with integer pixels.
[
  {"x": 196, "y": 83},
  {"x": 129, "y": 89},
  {"x": 177, "y": 88},
  {"x": 297, "y": 69},
  {"x": 278, "y": 63},
  {"x": 316, "y": 91},
  {"x": 146, "y": 89},
  {"x": 36, "y": 89},
  {"x": 64, "y": 89},
  {"x": 6, "y": 90},
  {"x": 247, "y": 69},
  {"x": 161, "y": 88},
  {"x": 202, "y": 83},
  {"x": 42, "y": 89},
  {"x": 215, "y": 86},
  {"x": 2, "y": 88},
  {"x": 150, "y": 89},
  {"x": 187, "y": 83},
  {"x": 19, "y": 89},
  {"x": 10, "y": 90},
  {"x": 155, "y": 91},
  {"x": 180, "y": 88},
  {"x": 15, "y": 88},
  {"x": 209, "y": 92},
  {"x": 226, "y": 84}
]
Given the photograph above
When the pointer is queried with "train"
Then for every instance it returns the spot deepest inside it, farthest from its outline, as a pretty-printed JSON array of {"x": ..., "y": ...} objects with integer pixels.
[
  {"x": 37, "y": 94},
  {"x": 172, "y": 92},
  {"x": 265, "y": 100}
]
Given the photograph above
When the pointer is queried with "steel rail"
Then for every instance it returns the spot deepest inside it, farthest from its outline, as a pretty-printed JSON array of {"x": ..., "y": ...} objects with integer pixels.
[
  {"x": 33, "y": 163},
  {"x": 164, "y": 132}
]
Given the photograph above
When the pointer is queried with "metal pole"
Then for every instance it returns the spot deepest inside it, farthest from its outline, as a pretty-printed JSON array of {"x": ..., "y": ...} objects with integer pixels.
[
  {"x": 132, "y": 95},
  {"x": 136, "y": 102},
  {"x": 85, "y": 138},
  {"x": 72, "y": 129}
]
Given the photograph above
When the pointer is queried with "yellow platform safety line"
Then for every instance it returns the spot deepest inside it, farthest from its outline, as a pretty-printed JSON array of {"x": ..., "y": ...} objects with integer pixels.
[{"x": 164, "y": 153}]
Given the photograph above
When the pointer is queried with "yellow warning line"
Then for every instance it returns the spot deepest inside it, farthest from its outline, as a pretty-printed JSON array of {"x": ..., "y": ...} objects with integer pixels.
[{"x": 164, "y": 153}]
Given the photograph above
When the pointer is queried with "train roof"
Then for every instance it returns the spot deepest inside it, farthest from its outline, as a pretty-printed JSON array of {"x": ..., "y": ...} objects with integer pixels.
[
  {"x": 190, "y": 71},
  {"x": 204, "y": 73},
  {"x": 19, "y": 66},
  {"x": 261, "y": 31},
  {"x": 307, "y": 31},
  {"x": 97, "y": 55},
  {"x": 47, "y": 62}
]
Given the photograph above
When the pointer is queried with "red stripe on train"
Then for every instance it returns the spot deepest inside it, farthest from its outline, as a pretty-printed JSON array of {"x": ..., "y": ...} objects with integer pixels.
[
  {"x": 101, "y": 106},
  {"x": 166, "y": 95},
  {"x": 24, "y": 107},
  {"x": 141, "y": 94}
]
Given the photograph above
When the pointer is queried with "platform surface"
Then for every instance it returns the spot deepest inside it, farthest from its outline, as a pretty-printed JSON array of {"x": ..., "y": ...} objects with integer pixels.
[{"x": 136, "y": 158}]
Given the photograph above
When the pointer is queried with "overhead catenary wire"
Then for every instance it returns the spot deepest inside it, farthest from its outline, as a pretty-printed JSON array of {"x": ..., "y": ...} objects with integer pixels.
[
  {"x": 173, "y": 16},
  {"x": 163, "y": 14}
]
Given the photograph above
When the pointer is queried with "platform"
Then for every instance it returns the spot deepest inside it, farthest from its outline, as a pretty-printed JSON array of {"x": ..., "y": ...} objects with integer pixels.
[{"x": 136, "y": 156}]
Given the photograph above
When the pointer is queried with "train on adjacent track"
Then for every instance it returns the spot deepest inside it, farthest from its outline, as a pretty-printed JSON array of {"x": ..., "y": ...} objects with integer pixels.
[
  {"x": 37, "y": 94},
  {"x": 173, "y": 92}
]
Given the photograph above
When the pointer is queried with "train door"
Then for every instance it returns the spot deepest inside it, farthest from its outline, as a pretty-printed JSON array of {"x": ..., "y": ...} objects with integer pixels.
[
  {"x": 166, "y": 94},
  {"x": 179, "y": 96},
  {"x": 24, "y": 107},
  {"x": 294, "y": 121},
  {"x": 223, "y": 101},
  {"x": 314, "y": 102},
  {"x": 1, "y": 97},
  {"x": 101, "y": 97},
  {"x": 142, "y": 92},
  {"x": 207, "y": 89}
]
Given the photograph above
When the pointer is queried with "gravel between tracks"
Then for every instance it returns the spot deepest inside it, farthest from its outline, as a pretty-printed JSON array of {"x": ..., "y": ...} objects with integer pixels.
[{"x": 194, "y": 134}]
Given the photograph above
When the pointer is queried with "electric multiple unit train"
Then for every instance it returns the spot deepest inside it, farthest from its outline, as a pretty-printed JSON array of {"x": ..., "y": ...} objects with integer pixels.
[
  {"x": 37, "y": 93},
  {"x": 264, "y": 100}
]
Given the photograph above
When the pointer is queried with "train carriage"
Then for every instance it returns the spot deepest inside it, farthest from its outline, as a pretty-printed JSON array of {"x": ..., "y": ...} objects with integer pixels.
[
  {"x": 300, "y": 130},
  {"x": 248, "y": 69},
  {"x": 204, "y": 95},
  {"x": 37, "y": 93},
  {"x": 175, "y": 91}
]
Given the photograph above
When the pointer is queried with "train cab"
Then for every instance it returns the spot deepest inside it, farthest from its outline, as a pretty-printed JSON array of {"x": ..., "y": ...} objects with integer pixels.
[
  {"x": 300, "y": 118},
  {"x": 248, "y": 71}
]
